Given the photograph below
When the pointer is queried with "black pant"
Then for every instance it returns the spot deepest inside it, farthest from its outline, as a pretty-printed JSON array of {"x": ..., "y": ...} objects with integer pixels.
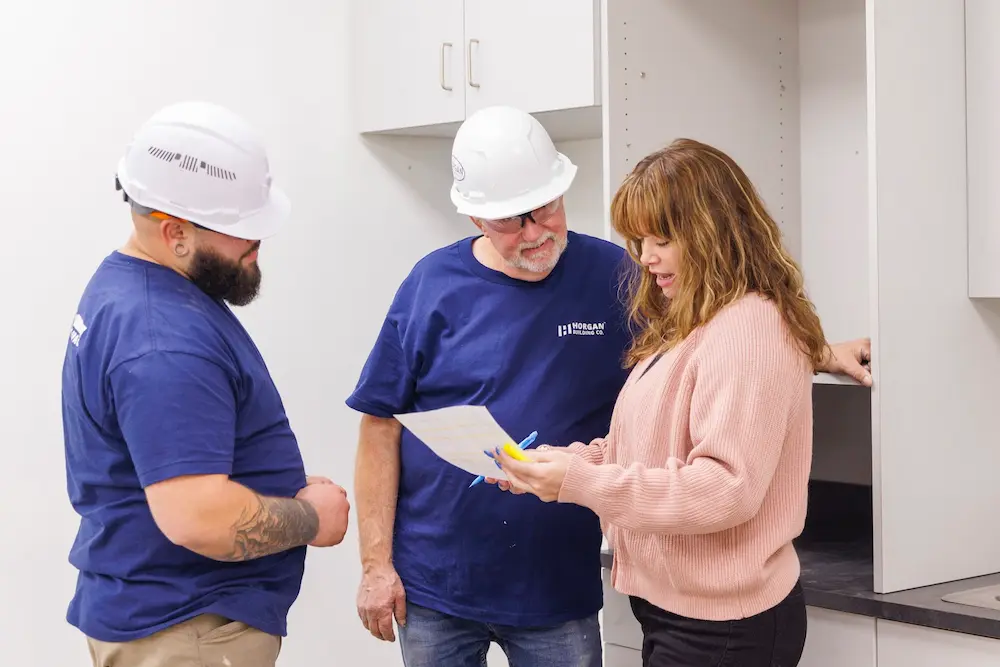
[{"x": 773, "y": 638}]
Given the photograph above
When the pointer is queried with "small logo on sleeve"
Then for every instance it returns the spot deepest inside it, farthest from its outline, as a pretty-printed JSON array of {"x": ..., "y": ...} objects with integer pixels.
[
  {"x": 581, "y": 329},
  {"x": 77, "y": 331}
]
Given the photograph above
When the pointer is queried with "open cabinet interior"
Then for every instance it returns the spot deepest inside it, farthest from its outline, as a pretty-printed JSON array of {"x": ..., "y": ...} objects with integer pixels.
[
  {"x": 781, "y": 86},
  {"x": 833, "y": 154},
  {"x": 839, "y": 534}
]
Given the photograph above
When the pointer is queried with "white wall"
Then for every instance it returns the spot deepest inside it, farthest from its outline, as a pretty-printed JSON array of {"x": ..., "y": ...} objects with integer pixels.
[{"x": 77, "y": 79}]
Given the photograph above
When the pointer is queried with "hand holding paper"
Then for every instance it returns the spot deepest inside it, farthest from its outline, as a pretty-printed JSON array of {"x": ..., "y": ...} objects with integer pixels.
[
  {"x": 508, "y": 448},
  {"x": 460, "y": 435},
  {"x": 542, "y": 474}
]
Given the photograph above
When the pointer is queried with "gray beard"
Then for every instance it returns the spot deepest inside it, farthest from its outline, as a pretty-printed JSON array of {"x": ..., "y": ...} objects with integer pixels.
[{"x": 539, "y": 266}]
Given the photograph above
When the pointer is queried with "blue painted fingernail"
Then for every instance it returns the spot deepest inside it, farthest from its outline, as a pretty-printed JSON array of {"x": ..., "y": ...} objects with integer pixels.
[{"x": 498, "y": 464}]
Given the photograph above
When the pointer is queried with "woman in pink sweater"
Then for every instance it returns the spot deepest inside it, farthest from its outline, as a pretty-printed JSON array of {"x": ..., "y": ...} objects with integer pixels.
[{"x": 701, "y": 482}]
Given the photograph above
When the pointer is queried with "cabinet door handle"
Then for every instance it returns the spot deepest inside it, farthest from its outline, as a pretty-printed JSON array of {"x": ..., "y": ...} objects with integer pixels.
[
  {"x": 471, "y": 82},
  {"x": 444, "y": 45}
]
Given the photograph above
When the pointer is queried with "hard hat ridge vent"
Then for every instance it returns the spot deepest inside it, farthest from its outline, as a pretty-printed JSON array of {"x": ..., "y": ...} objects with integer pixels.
[{"x": 191, "y": 163}]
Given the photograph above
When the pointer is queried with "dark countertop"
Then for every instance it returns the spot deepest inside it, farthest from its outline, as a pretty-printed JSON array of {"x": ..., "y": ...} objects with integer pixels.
[
  {"x": 838, "y": 574},
  {"x": 840, "y": 577}
]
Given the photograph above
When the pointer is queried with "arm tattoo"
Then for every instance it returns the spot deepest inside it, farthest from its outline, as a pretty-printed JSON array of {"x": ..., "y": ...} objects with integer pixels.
[{"x": 272, "y": 525}]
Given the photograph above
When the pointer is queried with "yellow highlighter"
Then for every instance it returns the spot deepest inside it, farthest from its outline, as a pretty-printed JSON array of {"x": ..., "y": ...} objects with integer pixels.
[{"x": 514, "y": 452}]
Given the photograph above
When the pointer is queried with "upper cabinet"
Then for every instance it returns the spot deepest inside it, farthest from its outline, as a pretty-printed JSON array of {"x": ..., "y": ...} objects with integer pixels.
[
  {"x": 541, "y": 56},
  {"x": 409, "y": 63},
  {"x": 423, "y": 67}
]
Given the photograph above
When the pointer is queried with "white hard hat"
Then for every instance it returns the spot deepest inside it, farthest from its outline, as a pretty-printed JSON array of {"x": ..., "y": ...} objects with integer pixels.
[
  {"x": 504, "y": 164},
  {"x": 202, "y": 163}
]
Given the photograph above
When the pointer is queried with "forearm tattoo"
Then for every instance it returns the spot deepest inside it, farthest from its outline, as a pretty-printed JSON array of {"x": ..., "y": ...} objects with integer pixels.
[{"x": 273, "y": 525}]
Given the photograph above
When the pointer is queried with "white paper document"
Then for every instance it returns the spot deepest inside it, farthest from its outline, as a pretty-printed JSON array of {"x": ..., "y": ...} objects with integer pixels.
[{"x": 459, "y": 435}]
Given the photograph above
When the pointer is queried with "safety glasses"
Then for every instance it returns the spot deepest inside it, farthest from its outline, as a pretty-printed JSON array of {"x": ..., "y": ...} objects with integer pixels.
[
  {"x": 513, "y": 224},
  {"x": 163, "y": 216}
]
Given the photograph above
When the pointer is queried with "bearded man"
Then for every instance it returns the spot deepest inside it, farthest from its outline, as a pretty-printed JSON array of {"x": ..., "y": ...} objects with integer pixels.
[{"x": 195, "y": 509}]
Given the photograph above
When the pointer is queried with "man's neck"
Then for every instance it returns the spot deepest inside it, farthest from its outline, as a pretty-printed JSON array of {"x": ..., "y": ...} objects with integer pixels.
[
  {"x": 134, "y": 248},
  {"x": 486, "y": 254}
]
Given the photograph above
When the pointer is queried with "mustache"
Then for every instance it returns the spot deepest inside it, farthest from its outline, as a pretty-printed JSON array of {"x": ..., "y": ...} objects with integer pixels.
[
  {"x": 538, "y": 243},
  {"x": 254, "y": 248}
]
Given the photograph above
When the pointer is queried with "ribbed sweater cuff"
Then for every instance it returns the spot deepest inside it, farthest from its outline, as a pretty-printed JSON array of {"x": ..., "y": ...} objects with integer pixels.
[
  {"x": 590, "y": 453},
  {"x": 577, "y": 486}
]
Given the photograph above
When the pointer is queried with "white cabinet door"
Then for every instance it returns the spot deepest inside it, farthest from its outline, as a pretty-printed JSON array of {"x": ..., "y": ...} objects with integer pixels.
[
  {"x": 836, "y": 639},
  {"x": 409, "y": 63},
  {"x": 538, "y": 55},
  {"x": 902, "y": 645}
]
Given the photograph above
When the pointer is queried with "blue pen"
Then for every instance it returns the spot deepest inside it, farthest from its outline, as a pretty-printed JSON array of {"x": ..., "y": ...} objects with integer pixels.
[{"x": 524, "y": 444}]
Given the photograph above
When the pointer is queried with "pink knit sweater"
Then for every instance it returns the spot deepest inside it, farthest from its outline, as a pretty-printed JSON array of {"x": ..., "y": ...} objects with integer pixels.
[{"x": 701, "y": 483}]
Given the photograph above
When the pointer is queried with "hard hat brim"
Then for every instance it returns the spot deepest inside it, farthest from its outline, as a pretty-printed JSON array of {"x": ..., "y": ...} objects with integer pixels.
[
  {"x": 521, "y": 204},
  {"x": 263, "y": 223}
]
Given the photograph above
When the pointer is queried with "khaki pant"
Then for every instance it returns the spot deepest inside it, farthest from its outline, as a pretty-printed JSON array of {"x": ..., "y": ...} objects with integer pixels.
[{"x": 208, "y": 640}]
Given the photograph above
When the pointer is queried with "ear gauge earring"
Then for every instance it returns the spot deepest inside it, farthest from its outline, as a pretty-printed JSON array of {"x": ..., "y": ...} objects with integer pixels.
[{"x": 180, "y": 250}]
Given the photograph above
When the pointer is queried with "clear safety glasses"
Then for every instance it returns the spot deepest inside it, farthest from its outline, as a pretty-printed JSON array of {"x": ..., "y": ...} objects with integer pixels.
[{"x": 515, "y": 223}]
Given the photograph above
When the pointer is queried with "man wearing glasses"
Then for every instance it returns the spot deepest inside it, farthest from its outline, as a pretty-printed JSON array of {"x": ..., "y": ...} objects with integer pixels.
[{"x": 525, "y": 318}]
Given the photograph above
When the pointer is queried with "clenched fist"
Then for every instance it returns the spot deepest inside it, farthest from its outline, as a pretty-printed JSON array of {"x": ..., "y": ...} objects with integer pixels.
[{"x": 331, "y": 504}]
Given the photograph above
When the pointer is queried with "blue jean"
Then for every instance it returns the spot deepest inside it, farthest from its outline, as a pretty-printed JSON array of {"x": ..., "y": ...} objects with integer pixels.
[{"x": 433, "y": 639}]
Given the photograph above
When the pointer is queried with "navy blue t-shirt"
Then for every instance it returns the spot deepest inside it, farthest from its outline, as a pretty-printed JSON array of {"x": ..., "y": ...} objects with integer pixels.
[
  {"x": 543, "y": 356},
  {"x": 161, "y": 380}
]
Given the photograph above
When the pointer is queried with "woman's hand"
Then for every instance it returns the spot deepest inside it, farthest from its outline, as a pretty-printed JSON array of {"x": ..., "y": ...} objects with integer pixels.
[
  {"x": 848, "y": 358},
  {"x": 542, "y": 476},
  {"x": 503, "y": 485}
]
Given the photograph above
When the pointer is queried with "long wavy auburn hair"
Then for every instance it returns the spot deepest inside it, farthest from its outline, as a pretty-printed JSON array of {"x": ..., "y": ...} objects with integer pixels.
[{"x": 697, "y": 198}]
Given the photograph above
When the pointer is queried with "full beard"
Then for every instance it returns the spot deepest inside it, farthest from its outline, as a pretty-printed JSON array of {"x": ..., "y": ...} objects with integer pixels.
[{"x": 223, "y": 279}]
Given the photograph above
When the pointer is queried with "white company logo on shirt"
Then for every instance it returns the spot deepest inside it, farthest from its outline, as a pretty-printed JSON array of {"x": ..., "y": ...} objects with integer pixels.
[
  {"x": 77, "y": 332},
  {"x": 581, "y": 329}
]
